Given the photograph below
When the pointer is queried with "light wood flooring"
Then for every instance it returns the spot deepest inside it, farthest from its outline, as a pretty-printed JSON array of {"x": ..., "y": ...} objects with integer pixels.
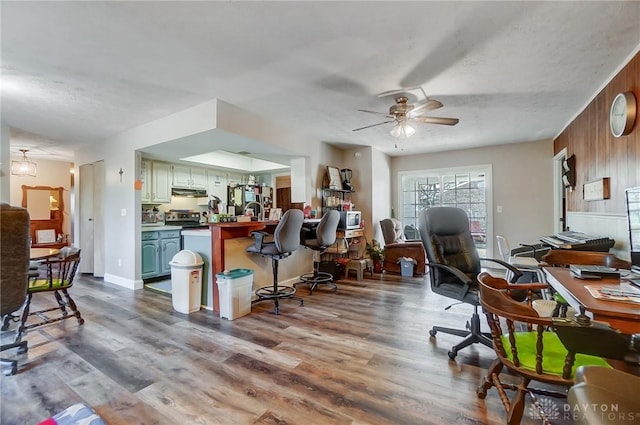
[{"x": 361, "y": 355}]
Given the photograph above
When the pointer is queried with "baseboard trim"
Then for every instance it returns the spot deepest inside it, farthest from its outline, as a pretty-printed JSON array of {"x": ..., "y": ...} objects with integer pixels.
[{"x": 124, "y": 282}]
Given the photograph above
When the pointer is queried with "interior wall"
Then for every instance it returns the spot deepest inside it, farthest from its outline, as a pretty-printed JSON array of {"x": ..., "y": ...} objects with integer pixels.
[
  {"x": 522, "y": 184},
  {"x": 358, "y": 161},
  {"x": 49, "y": 173},
  {"x": 5, "y": 163},
  {"x": 381, "y": 193},
  {"x": 599, "y": 154}
]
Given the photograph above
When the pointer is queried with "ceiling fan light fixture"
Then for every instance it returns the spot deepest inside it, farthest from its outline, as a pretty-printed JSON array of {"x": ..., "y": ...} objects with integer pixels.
[
  {"x": 24, "y": 166},
  {"x": 402, "y": 131}
]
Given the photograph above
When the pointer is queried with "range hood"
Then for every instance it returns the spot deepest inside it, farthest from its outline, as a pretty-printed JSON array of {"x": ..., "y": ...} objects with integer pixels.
[{"x": 188, "y": 193}]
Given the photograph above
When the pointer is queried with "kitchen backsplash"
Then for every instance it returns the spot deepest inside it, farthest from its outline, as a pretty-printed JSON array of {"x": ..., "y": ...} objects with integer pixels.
[{"x": 177, "y": 203}]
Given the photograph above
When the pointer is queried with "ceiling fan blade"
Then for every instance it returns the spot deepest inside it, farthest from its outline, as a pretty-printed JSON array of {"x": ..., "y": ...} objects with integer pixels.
[
  {"x": 398, "y": 91},
  {"x": 429, "y": 105},
  {"x": 386, "y": 114},
  {"x": 372, "y": 125},
  {"x": 436, "y": 120},
  {"x": 404, "y": 90}
]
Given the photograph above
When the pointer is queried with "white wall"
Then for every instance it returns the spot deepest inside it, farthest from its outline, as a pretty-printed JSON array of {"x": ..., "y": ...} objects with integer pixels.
[
  {"x": 522, "y": 184},
  {"x": 381, "y": 191},
  {"x": 5, "y": 163},
  {"x": 614, "y": 226}
]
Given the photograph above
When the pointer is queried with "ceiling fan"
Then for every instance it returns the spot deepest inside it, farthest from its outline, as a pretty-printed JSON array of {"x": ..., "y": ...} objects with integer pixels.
[{"x": 404, "y": 113}]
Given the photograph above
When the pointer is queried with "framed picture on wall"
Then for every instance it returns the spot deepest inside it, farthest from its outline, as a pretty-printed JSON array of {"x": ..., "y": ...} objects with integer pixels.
[
  {"x": 45, "y": 236},
  {"x": 335, "y": 182}
]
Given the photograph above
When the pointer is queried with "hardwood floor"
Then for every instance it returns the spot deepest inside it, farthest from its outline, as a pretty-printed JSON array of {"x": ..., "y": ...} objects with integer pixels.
[{"x": 361, "y": 355}]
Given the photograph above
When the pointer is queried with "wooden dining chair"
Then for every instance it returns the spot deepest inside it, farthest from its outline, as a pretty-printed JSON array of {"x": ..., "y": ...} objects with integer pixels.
[
  {"x": 55, "y": 275},
  {"x": 532, "y": 348}
]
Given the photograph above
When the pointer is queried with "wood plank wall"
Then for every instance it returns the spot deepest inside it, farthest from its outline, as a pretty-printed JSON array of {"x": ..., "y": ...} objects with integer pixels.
[{"x": 598, "y": 153}]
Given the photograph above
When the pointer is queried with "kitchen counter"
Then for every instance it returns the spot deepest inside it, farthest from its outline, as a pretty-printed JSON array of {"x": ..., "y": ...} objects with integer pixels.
[
  {"x": 158, "y": 228},
  {"x": 223, "y": 231},
  {"x": 204, "y": 232},
  {"x": 199, "y": 240}
]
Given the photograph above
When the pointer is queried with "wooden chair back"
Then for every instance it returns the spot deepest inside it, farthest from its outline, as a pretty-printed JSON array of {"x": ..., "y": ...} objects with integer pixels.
[
  {"x": 57, "y": 272},
  {"x": 503, "y": 313}
]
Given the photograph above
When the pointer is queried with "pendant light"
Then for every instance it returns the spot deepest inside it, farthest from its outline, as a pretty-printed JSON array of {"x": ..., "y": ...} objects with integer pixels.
[{"x": 23, "y": 167}]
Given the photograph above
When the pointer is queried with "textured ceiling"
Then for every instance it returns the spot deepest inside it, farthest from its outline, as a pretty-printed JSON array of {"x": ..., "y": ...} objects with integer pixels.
[{"x": 79, "y": 72}]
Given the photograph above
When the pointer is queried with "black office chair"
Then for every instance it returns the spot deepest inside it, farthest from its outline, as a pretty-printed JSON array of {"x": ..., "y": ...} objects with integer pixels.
[
  {"x": 454, "y": 267},
  {"x": 286, "y": 239},
  {"x": 325, "y": 236},
  {"x": 14, "y": 274}
]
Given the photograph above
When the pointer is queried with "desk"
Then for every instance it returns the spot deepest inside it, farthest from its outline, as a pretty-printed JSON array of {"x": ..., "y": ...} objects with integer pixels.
[
  {"x": 42, "y": 253},
  {"x": 620, "y": 315}
]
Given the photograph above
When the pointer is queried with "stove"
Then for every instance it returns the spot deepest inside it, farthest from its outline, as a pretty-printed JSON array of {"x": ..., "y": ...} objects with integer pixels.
[{"x": 183, "y": 218}]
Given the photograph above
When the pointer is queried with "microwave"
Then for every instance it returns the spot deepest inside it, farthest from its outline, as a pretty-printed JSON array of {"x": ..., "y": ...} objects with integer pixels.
[{"x": 350, "y": 220}]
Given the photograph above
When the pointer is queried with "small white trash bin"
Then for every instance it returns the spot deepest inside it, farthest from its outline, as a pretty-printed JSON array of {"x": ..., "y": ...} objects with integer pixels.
[
  {"x": 234, "y": 289},
  {"x": 186, "y": 281}
]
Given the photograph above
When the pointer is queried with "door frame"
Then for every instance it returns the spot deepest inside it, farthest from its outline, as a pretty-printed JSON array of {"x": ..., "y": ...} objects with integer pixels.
[{"x": 559, "y": 212}]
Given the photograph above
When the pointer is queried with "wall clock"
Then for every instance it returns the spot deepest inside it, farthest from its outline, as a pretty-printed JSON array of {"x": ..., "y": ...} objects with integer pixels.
[{"x": 623, "y": 114}]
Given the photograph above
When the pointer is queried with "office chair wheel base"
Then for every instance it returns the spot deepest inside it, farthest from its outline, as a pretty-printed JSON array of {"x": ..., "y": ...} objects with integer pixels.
[
  {"x": 23, "y": 347},
  {"x": 11, "y": 370},
  {"x": 433, "y": 332},
  {"x": 452, "y": 354}
]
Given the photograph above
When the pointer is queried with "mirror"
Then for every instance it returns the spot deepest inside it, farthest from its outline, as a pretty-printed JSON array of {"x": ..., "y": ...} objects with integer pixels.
[{"x": 46, "y": 206}]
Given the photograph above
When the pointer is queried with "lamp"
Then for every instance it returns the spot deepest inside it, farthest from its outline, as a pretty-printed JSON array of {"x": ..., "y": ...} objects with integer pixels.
[
  {"x": 23, "y": 167},
  {"x": 402, "y": 130}
]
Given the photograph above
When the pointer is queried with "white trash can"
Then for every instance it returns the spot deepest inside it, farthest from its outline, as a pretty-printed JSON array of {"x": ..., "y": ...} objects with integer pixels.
[
  {"x": 406, "y": 266},
  {"x": 234, "y": 289},
  {"x": 186, "y": 281}
]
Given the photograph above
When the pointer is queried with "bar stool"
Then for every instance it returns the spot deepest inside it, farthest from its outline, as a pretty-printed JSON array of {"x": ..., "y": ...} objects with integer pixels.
[
  {"x": 325, "y": 237},
  {"x": 286, "y": 239}
]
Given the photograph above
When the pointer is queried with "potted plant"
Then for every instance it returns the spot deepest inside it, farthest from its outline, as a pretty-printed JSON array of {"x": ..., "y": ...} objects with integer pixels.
[{"x": 376, "y": 253}]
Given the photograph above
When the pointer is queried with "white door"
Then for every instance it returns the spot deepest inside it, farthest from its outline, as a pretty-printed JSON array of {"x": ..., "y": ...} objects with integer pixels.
[
  {"x": 90, "y": 214},
  {"x": 85, "y": 215}
]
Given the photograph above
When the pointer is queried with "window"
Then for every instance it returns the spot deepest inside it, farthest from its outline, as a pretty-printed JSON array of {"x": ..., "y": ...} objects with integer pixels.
[{"x": 466, "y": 188}]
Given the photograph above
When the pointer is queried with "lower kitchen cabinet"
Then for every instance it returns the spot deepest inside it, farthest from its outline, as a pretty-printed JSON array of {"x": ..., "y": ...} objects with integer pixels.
[
  {"x": 158, "y": 249},
  {"x": 168, "y": 248}
]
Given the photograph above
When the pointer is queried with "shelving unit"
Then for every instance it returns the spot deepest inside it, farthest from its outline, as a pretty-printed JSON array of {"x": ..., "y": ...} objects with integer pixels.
[
  {"x": 334, "y": 199},
  {"x": 349, "y": 243}
]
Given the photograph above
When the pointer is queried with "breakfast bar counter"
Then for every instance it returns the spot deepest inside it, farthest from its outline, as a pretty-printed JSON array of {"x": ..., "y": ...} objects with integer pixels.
[{"x": 223, "y": 231}]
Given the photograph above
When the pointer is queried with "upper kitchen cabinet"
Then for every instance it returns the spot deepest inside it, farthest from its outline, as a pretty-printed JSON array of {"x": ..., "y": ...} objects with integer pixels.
[
  {"x": 189, "y": 178},
  {"x": 160, "y": 184},
  {"x": 145, "y": 178},
  {"x": 156, "y": 188}
]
